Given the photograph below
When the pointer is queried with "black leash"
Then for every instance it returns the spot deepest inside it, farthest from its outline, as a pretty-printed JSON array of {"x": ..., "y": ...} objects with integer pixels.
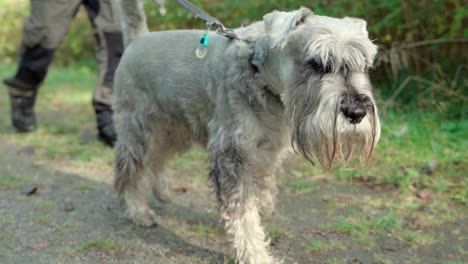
[{"x": 209, "y": 20}]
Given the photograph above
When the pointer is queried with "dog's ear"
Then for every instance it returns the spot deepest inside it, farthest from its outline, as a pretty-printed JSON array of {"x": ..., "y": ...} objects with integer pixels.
[
  {"x": 279, "y": 24},
  {"x": 361, "y": 24},
  {"x": 260, "y": 51}
]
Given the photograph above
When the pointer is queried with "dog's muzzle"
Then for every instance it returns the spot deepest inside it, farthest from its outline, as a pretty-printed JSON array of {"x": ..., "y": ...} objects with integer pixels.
[{"x": 355, "y": 106}]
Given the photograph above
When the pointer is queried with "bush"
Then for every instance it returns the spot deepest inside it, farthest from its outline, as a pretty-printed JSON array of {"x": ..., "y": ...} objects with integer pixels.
[{"x": 12, "y": 15}]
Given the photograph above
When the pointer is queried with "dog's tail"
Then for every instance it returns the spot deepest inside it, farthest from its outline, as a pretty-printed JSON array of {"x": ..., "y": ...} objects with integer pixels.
[{"x": 133, "y": 19}]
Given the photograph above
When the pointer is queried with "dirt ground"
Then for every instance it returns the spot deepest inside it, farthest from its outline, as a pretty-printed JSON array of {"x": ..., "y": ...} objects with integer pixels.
[{"x": 74, "y": 217}]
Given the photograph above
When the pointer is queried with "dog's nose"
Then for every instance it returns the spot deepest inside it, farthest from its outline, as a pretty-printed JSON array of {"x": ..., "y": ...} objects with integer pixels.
[{"x": 354, "y": 113}]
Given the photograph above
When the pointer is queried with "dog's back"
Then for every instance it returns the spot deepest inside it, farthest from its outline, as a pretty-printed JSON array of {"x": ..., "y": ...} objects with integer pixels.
[{"x": 159, "y": 70}]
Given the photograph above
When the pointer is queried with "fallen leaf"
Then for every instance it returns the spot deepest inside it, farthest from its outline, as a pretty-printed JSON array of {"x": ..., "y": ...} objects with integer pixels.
[
  {"x": 27, "y": 151},
  {"x": 182, "y": 190},
  {"x": 424, "y": 209},
  {"x": 67, "y": 206},
  {"x": 274, "y": 242},
  {"x": 433, "y": 163},
  {"x": 39, "y": 246},
  {"x": 30, "y": 190},
  {"x": 423, "y": 201},
  {"x": 418, "y": 222},
  {"x": 424, "y": 193},
  {"x": 390, "y": 247},
  {"x": 401, "y": 130},
  {"x": 322, "y": 178}
]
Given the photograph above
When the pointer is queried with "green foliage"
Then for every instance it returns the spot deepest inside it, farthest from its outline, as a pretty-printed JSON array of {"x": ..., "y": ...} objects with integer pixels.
[
  {"x": 391, "y": 22},
  {"x": 78, "y": 46},
  {"x": 12, "y": 14},
  {"x": 421, "y": 42}
]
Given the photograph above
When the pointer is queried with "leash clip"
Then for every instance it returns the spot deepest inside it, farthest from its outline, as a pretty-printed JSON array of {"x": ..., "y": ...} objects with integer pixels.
[{"x": 226, "y": 32}]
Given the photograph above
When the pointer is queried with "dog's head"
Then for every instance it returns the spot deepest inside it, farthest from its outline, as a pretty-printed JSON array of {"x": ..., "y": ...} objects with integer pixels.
[{"x": 318, "y": 66}]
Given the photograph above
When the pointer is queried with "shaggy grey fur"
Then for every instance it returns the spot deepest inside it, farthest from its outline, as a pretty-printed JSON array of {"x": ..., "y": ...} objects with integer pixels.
[{"x": 294, "y": 79}]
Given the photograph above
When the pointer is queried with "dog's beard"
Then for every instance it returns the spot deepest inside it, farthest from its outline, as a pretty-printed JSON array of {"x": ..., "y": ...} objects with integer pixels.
[{"x": 320, "y": 132}]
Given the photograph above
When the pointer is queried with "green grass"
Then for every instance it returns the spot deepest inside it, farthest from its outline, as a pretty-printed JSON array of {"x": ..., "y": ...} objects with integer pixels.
[
  {"x": 44, "y": 204},
  {"x": 6, "y": 237},
  {"x": 86, "y": 186},
  {"x": 66, "y": 122},
  {"x": 44, "y": 219},
  {"x": 102, "y": 245},
  {"x": 317, "y": 246},
  {"x": 417, "y": 238},
  {"x": 410, "y": 142},
  {"x": 362, "y": 229},
  {"x": 275, "y": 233},
  {"x": 368, "y": 224},
  {"x": 206, "y": 231},
  {"x": 11, "y": 182},
  {"x": 330, "y": 245},
  {"x": 230, "y": 261},
  {"x": 413, "y": 141},
  {"x": 301, "y": 185},
  {"x": 334, "y": 260}
]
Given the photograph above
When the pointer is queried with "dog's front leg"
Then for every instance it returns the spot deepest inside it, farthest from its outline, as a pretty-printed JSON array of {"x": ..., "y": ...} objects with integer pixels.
[{"x": 239, "y": 207}]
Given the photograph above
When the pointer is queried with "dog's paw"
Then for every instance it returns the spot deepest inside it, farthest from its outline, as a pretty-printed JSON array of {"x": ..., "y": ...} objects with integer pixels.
[
  {"x": 274, "y": 261},
  {"x": 146, "y": 218},
  {"x": 162, "y": 195},
  {"x": 264, "y": 259}
]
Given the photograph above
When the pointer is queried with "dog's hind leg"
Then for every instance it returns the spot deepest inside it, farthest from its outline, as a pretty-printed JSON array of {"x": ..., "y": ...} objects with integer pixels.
[
  {"x": 168, "y": 139},
  {"x": 267, "y": 163},
  {"x": 133, "y": 141}
]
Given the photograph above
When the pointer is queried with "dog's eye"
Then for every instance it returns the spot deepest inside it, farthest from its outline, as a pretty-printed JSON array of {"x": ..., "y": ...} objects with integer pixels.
[{"x": 318, "y": 66}]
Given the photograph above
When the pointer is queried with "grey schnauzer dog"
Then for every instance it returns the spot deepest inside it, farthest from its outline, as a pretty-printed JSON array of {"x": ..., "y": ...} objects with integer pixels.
[{"x": 293, "y": 81}]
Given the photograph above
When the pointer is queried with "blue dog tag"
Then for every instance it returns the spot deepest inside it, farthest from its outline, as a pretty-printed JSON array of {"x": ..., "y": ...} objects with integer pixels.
[
  {"x": 202, "y": 50},
  {"x": 204, "y": 40}
]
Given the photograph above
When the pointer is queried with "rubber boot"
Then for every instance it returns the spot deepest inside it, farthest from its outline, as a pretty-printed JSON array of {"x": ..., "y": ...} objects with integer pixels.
[
  {"x": 105, "y": 126},
  {"x": 22, "y": 100}
]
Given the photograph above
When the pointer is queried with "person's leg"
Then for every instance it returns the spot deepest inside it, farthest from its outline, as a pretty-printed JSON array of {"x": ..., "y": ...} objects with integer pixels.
[
  {"x": 43, "y": 31},
  {"x": 104, "y": 18}
]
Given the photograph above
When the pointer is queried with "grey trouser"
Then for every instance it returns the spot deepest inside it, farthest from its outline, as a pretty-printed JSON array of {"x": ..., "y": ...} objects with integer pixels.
[{"x": 45, "y": 29}]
